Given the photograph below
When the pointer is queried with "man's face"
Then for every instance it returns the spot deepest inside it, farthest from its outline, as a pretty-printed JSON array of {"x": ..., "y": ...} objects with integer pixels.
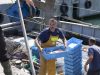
[
  {"x": 52, "y": 25},
  {"x": 90, "y": 43}
]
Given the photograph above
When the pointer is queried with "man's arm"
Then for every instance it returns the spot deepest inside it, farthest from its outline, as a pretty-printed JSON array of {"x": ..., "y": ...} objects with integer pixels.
[
  {"x": 37, "y": 42},
  {"x": 64, "y": 42},
  {"x": 61, "y": 35},
  {"x": 90, "y": 54}
]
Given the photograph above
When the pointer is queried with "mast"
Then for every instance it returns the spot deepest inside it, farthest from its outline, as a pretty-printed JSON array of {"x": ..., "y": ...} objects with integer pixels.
[{"x": 25, "y": 38}]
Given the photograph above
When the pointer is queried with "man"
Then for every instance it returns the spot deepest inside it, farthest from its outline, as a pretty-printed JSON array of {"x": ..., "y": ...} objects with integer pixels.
[
  {"x": 94, "y": 58},
  {"x": 48, "y": 38},
  {"x": 32, "y": 8},
  {"x": 3, "y": 56}
]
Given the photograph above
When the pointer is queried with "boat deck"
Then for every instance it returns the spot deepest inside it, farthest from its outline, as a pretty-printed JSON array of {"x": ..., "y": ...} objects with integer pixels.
[{"x": 15, "y": 70}]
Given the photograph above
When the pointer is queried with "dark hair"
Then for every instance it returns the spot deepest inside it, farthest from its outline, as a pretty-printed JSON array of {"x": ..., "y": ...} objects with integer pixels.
[{"x": 92, "y": 40}]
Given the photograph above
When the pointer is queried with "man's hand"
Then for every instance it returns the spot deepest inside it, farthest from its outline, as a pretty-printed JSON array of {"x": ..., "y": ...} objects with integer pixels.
[
  {"x": 88, "y": 62},
  {"x": 65, "y": 46},
  {"x": 85, "y": 67},
  {"x": 41, "y": 49}
]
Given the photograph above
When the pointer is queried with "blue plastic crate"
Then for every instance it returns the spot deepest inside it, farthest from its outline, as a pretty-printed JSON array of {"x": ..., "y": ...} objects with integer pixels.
[
  {"x": 76, "y": 64},
  {"x": 77, "y": 73},
  {"x": 50, "y": 49},
  {"x": 35, "y": 51},
  {"x": 74, "y": 45},
  {"x": 73, "y": 70},
  {"x": 72, "y": 63},
  {"x": 72, "y": 56},
  {"x": 74, "y": 73},
  {"x": 72, "y": 59},
  {"x": 74, "y": 40},
  {"x": 48, "y": 56},
  {"x": 75, "y": 49},
  {"x": 72, "y": 67}
]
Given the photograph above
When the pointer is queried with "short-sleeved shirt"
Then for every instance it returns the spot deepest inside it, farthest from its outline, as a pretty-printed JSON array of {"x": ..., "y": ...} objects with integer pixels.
[
  {"x": 45, "y": 34},
  {"x": 95, "y": 51}
]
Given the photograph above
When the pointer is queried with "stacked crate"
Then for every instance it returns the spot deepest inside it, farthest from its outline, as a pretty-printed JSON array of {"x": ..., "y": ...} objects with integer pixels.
[{"x": 73, "y": 57}]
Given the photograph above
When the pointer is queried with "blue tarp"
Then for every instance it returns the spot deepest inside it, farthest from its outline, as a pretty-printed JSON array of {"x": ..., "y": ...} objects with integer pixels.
[{"x": 13, "y": 11}]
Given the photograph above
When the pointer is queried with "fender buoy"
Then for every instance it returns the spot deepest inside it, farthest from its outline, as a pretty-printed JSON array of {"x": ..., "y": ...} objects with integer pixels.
[
  {"x": 88, "y": 4},
  {"x": 64, "y": 9}
]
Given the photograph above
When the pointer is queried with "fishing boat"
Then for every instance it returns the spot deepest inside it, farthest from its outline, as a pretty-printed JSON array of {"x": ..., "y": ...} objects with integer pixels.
[{"x": 68, "y": 19}]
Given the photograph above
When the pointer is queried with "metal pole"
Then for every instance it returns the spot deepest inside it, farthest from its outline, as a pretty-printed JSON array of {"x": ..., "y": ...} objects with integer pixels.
[
  {"x": 25, "y": 37},
  {"x": 10, "y": 24}
]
